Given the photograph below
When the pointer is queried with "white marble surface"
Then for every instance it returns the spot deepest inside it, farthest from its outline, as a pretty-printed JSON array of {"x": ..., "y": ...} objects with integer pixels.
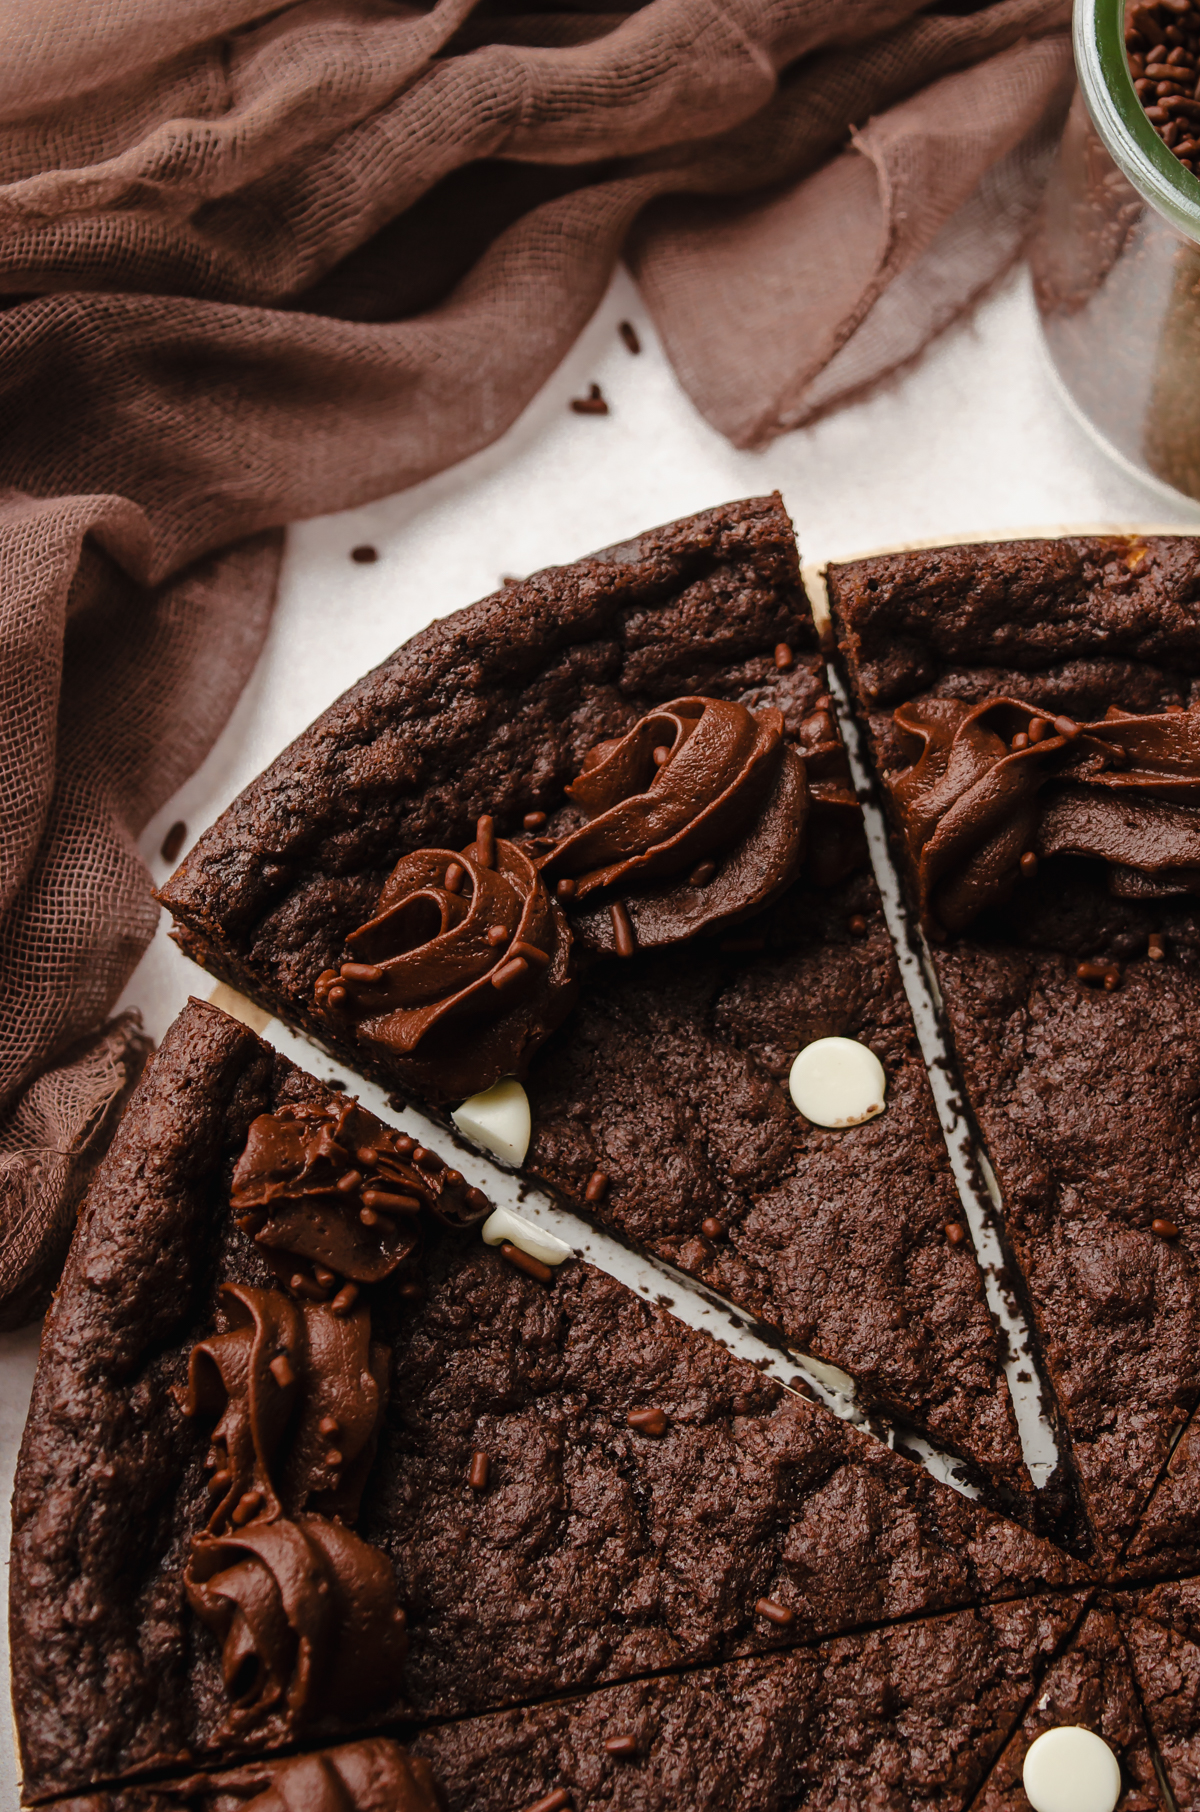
[{"x": 974, "y": 440}]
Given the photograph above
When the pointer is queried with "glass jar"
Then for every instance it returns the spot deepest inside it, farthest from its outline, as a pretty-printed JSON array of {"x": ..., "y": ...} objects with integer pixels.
[{"x": 1116, "y": 267}]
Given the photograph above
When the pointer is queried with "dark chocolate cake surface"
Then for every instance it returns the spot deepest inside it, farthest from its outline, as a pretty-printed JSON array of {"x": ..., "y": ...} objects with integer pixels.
[
  {"x": 111, "y": 1672},
  {"x": 669, "y": 1074},
  {"x": 912, "y": 1716},
  {"x": 1162, "y": 1633},
  {"x": 909, "y": 1717},
  {"x": 1090, "y": 1684},
  {"x": 1073, "y": 994},
  {"x": 743, "y": 1518},
  {"x": 490, "y": 710}
]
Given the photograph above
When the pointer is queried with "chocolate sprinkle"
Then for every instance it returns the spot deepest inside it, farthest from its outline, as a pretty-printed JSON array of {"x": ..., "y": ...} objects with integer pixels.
[
  {"x": 366, "y": 555},
  {"x": 477, "y": 1478},
  {"x": 597, "y": 1187},
  {"x": 1165, "y": 1229},
  {"x": 774, "y": 1612},
  {"x": 524, "y": 1261},
  {"x": 361, "y": 972},
  {"x": 628, "y": 333},
  {"x": 652, "y": 1421},
  {"x": 712, "y": 1228},
  {"x": 174, "y": 841},
  {"x": 622, "y": 929},
  {"x": 591, "y": 404},
  {"x": 345, "y": 1299},
  {"x": 621, "y": 1745}
]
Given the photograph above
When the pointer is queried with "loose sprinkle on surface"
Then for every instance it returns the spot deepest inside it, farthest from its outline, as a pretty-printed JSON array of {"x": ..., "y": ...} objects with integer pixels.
[
  {"x": 174, "y": 841},
  {"x": 591, "y": 404}
]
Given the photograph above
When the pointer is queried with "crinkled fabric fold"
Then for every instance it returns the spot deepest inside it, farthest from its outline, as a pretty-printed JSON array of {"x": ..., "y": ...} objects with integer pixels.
[{"x": 259, "y": 262}]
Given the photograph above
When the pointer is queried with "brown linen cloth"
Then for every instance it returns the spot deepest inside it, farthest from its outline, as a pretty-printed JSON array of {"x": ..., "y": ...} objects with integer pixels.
[{"x": 262, "y": 261}]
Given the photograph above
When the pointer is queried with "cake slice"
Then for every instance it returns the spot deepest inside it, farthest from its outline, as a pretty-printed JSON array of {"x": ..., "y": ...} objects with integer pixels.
[
  {"x": 909, "y": 1717},
  {"x": 1167, "y": 1538},
  {"x": 1031, "y": 708},
  {"x": 654, "y": 960},
  {"x": 1090, "y": 1686},
  {"x": 912, "y": 1716},
  {"x": 307, "y": 1459},
  {"x": 1162, "y": 1629}
]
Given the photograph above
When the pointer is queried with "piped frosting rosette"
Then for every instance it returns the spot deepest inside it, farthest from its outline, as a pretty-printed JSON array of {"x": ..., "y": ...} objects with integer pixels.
[
  {"x": 281, "y": 1368},
  {"x": 329, "y": 1194},
  {"x": 368, "y": 1776},
  {"x": 306, "y": 1617},
  {"x": 463, "y": 970},
  {"x": 997, "y": 786},
  {"x": 696, "y": 818}
]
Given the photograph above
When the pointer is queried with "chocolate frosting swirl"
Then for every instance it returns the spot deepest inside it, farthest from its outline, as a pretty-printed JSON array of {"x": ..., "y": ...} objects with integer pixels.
[
  {"x": 305, "y": 1612},
  {"x": 306, "y": 1616},
  {"x": 1003, "y": 780},
  {"x": 331, "y": 1188},
  {"x": 696, "y": 819},
  {"x": 300, "y": 1370},
  {"x": 463, "y": 970},
  {"x": 374, "y": 1775},
  {"x": 246, "y": 1378}
]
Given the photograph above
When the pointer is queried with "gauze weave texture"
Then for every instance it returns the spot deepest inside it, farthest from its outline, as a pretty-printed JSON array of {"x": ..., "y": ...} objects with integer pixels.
[{"x": 259, "y": 262}]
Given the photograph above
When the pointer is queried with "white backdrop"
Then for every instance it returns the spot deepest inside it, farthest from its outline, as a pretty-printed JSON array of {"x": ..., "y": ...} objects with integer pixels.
[{"x": 973, "y": 440}]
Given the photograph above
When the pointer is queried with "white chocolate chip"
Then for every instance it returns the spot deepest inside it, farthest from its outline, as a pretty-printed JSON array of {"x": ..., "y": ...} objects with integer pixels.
[
  {"x": 1071, "y": 1769},
  {"x": 831, "y": 1376},
  {"x": 837, "y": 1082},
  {"x": 238, "y": 1007},
  {"x": 503, "y": 1225},
  {"x": 498, "y": 1120}
]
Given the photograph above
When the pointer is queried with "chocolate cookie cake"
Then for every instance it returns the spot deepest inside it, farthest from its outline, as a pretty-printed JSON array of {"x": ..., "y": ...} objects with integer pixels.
[
  {"x": 1031, "y": 709},
  {"x": 306, "y": 1458},
  {"x": 342, "y": 1491},
  {"x": 596, "y": 832}
]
